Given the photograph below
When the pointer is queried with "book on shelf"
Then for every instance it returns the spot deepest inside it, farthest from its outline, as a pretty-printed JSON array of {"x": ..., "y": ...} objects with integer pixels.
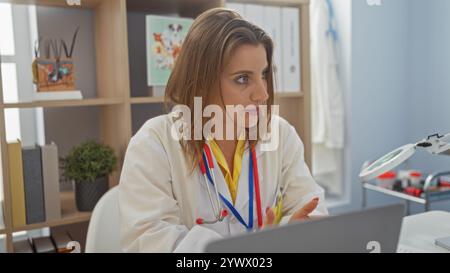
[
  {"x": 56, "y": 242},
  {"x": 282, "y": 24},
  {"x": 50, "y": 175},
  {"x": 164, "y": 38},
  {"x": 33, "y": 185},
  {"x": 58, "y": 95},
  {"x": 61, "y": 241},
  {"x": 43, "y": 245},
  {"x": 291, "y": 49},
  {"x": 16, "y": 183},
  {"x": 23, "y": 246},
  {"x": 272, "y": 25}
]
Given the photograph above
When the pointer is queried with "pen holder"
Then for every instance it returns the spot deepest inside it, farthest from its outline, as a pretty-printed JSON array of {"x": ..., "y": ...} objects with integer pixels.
[{"x": 53, "y": 74}]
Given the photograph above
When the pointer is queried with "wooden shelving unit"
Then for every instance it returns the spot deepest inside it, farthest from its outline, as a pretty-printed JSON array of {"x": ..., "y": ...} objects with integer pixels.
[
  {"x": 113, "y": 92},
  {"x": 114, "y": 99}
]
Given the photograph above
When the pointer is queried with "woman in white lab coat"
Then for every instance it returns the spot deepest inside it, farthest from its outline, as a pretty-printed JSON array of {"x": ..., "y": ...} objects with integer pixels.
[{"x": 167, "y": 201}]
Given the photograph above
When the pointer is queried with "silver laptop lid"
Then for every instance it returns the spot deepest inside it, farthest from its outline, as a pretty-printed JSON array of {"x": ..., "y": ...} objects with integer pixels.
[{"x": 371, "y": 230}]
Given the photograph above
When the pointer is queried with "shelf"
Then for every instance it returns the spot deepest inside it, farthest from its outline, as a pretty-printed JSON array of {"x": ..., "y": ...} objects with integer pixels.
[
  {"x": 395, "y": 193},
  {"x": 184, "y": 7},
  {"x": 141, "y": 100},
  {"x": 428, "y": 196},
  {"x": 65, "y": 103},
  {"x": 160, "y": 6},
  {"x": 67, "y": 219},
  {"x": 69, "y": 215},
  {"x": 54, "y": 3},
  {"x": 273, "y": 2}
]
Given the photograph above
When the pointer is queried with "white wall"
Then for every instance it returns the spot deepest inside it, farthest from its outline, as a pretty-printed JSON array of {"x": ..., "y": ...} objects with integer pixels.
[
  {"x": 429, "y": 60},
  {"x": 376, "y": 112}
]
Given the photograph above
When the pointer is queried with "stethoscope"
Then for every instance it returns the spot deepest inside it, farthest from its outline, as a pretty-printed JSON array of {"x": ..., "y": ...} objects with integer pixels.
[{"x": 253, "y": 186}]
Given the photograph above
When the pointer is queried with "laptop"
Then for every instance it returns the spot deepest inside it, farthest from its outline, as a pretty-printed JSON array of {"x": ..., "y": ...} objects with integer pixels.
[{"x": 375, "y": 230}]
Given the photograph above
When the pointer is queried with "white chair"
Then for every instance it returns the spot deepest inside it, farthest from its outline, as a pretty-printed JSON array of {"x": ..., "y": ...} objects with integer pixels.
[{"x": 104, "y": 227}]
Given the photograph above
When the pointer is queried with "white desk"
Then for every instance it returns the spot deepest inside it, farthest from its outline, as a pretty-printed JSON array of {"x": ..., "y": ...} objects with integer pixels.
[{"x": 419, "y": 231}]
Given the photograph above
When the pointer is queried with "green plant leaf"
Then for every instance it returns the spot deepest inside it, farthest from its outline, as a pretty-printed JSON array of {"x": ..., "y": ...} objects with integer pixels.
[{"x": 89, "y": 161}]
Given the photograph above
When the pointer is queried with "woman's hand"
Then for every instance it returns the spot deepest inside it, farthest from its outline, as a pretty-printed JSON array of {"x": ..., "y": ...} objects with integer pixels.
[
  {"x": 269, "y": 220},
  {"x": 303, "y": 213},
  {"x": 300, "y": 214}
]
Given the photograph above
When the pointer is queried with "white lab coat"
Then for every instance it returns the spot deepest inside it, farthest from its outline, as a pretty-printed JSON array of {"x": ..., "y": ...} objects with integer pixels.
[{"x": 160, "y": 201}]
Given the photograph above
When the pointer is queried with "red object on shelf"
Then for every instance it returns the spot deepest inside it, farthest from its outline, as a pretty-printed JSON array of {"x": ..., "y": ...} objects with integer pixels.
[
  {"x": 387, "y": 175},
  {"x": 415, "y": 178},
  {"x": 387, "y": 179},
  {"x": 413, "y": 191}
]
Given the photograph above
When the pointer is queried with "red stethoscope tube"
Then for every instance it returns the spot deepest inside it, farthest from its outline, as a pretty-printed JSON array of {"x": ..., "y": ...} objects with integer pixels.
[{"x": 257, "y": 190}]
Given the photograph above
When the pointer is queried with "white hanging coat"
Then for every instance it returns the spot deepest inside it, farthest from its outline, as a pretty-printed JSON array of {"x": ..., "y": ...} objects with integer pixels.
[
  {"x": 327, "y": 102},
  {"x": 160, "y": 200}
]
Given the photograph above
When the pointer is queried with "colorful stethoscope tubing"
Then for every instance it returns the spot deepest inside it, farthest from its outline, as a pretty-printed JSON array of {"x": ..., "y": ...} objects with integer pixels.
[{"x": 207, "y": 169}]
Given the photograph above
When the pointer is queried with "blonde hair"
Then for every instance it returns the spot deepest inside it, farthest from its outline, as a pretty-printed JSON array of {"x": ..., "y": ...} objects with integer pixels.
[{"x": 211, "y": 40}]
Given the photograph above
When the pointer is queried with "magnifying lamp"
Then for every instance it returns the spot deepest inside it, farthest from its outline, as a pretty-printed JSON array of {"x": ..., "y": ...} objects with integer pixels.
[{"x": 434, "y": 144}]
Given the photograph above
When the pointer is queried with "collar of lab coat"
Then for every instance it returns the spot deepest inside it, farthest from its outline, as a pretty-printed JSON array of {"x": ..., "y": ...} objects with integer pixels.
[{"x": 242, "y": 191}]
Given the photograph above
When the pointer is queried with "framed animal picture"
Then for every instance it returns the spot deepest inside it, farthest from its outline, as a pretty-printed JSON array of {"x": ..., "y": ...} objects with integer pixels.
[{"x": 164, "y": 38}]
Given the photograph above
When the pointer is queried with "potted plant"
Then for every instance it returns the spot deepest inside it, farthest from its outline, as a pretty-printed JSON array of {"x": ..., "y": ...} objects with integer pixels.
[{"x": 89, "y": 165}]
